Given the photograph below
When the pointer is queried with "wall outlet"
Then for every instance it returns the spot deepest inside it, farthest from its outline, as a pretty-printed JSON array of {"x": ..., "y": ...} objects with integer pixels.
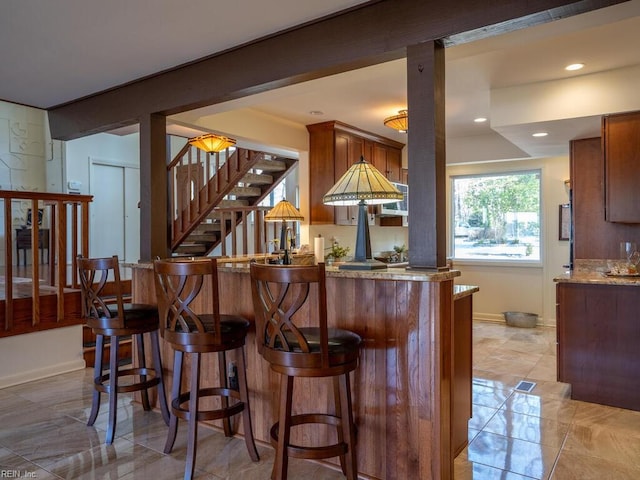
[{"x": 232, "y": 376}]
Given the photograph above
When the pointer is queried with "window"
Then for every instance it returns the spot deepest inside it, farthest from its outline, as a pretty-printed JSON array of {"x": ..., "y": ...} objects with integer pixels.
[{"x": 496, "y": 217}]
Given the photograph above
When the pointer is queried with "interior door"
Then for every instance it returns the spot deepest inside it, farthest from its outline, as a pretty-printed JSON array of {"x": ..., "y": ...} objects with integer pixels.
[
  {"x": 132, "y": 214},
  {"x": 107, "y": 216}
]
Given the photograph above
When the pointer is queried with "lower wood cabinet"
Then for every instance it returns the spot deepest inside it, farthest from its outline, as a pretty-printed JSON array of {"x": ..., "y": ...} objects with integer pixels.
[
  {"x": 462, "y": 373},
  {"x": 598, "y": 328}
]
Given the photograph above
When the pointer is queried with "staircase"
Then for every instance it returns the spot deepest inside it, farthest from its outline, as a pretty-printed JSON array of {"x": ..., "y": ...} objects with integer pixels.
[{"x": 214, "y": 194}]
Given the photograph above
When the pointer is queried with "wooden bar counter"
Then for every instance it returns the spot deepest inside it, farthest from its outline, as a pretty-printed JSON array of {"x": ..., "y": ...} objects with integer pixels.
[{"x": 402, "y": 388}]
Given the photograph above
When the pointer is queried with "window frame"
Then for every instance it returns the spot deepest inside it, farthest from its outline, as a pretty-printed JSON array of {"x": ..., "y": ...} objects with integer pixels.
[{"x": 507, "y": 262}]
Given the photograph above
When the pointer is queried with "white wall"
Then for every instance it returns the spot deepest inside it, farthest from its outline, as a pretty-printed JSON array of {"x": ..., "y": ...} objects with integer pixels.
[
  {"x": 525, "y": 288},
  {"x": 37, "y": 355},
  {"x": 110, "y": 150},
  {"x": 114, "y": 148},
  {"x": 23, "y": 156},
  {"x": 26, "y": 158}
]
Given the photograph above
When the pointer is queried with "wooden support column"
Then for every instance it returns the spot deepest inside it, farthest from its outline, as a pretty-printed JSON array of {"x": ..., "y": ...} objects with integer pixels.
[
  {"x": 154, "y": 231},
  {"x": 426, "y": 155}
]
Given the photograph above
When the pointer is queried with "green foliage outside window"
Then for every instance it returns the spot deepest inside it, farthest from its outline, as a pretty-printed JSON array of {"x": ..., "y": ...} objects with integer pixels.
[{"x": 497, "y": 216}]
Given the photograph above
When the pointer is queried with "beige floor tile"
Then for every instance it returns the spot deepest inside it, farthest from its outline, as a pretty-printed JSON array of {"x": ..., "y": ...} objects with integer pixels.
[
  {"x": 518, "y": 456},
  {"x": 512, "y": 435},
  {"x": 506, "y": 381},
  {"x": 572, "y": 466},
  {"x": 480, "y": 416},
  {"x": 558, "y": 409},
  {"x": 14, "y": 466},
  {"x": 465, "y": 470},
  {"x": 488, "y": 396},
  {"x": 527, "y": 427},
  {"x": 603, "y": 415},
  {"x": 610, "y": 444}
]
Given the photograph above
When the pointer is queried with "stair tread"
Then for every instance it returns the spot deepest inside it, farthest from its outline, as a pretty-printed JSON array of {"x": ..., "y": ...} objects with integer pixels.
[
  {"x": 246, "y": 191},
  {"x": 271, "y": 165},
  {"x": 257, "y": 179}
]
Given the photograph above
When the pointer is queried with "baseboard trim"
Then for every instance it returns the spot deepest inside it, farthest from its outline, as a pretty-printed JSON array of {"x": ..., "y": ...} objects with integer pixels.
[
  {"x": 40, "y": 373},
  {"x": 499, "y": 318}
]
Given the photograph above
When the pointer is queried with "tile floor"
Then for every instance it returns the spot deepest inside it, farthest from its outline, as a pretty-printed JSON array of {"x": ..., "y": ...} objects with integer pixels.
[{"x": 513, "y": 435}]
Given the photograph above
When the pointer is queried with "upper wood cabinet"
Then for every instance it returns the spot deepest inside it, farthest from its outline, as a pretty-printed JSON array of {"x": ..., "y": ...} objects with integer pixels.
[
  {"x": 594, "y": 237},
  {"x": 621, "y": 146},
  {"x": 333, "y": 148}
]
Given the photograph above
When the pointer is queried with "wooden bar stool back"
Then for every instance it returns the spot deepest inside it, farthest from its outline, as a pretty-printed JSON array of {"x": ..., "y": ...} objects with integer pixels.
[
  {"x": 295, "y": 349},
  {"x": 111, "y": 317},
  {"x": 178, "y": 285}
]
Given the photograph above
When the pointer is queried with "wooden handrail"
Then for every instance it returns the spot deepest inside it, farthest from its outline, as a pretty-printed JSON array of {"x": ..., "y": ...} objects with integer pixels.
[
  {"x": 57, "y": 205},
  {"x": 198, "y": 181}
]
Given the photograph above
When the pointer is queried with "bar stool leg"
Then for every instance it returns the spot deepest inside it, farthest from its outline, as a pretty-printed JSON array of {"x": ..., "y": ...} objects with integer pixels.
[
  {"x": 348, "y": 429},
  {"x": 157, "y": 366},
  {"x": 246, "y": 413},
  {"x": 224, "y": 383},
  {"x": 113, "y": 388},
  {"x": 338, "y": 413},
  {"x": 142, "y": 363},
  {"x": 175, "y": 394},
  {"x": 192, "y": 436},
  {"x": 97, "y": 373},
  {"x": 281, "y": 461}
]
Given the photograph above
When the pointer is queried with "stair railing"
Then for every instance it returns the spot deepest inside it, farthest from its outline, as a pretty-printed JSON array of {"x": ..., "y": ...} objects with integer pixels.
[
  {"x": 198, "y": 181},
  {"x": 68, "y": 220},
  {"x": 248, "y": 232}
]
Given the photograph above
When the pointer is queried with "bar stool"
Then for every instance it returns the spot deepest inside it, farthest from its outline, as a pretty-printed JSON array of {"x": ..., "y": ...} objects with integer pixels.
[
  {"x": 279, "y": 293},
  {"x": 178, "y": 283},
  {"x": 108, "y": 315}
]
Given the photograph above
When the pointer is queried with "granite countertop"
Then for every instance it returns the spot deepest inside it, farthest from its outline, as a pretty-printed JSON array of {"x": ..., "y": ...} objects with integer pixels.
[
  {"x": 241, "y": 265},
  {"x": 597, "y": 277},
  {"x": 461, "y": 291}
]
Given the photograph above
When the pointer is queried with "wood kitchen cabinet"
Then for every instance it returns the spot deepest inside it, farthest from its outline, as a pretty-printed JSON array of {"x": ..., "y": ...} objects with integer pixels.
[
  {"x": 593, "y": 236},
  {"x": 333, "y": 148},
  {"x": 598, "y": 336},
  {"x": 621, "y": 144},
  {"x": 461, "y": 408}
]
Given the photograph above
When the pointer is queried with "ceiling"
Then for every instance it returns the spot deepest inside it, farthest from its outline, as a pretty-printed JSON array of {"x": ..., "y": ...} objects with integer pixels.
[{"x": 73, "y": 48}]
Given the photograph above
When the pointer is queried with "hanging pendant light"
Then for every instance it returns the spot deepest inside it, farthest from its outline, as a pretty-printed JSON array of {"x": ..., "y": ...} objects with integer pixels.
[
  {"x": 212, "y": 142},
  {"x": 398, "y": 122}
]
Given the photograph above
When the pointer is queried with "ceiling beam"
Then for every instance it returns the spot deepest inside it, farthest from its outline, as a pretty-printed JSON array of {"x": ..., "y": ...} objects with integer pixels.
[{"x": 376, "y": 32}]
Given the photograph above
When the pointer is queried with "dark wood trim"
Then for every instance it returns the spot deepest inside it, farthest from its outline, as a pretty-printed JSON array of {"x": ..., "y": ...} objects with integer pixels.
[
  {"x": 376, "y": 32},
  {"x": 426, "y": 155},
  {"x": 154, "y": 219}
]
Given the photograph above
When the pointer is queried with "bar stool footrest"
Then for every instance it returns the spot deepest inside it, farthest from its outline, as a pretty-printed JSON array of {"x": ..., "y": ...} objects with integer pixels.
[
  {"x": 217, "y": 414},
  {"x": 299, "y": 451},
  {"x": 102, "y": 382}
]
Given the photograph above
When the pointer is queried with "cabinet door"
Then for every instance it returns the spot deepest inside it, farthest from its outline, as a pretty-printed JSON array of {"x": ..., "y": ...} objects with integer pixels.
[
  {"x": 379, "y": 158},
  {"x": 621, "y": 140},
  {"x": 348, "y": 150},
  {"x": 394, "y": 165}
]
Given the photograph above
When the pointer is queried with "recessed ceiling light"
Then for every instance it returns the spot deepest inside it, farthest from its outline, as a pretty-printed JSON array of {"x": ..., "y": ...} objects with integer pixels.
[
  {"x": 540, "y": 134},
  {"x": 480, "y": 120},
  {"x": 574, "y": 66},
  {"x": 316, "y": 112}
]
